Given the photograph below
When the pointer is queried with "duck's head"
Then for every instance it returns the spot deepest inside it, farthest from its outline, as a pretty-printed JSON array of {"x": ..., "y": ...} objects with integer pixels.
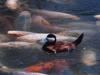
[{"x": 51, "y": 38}]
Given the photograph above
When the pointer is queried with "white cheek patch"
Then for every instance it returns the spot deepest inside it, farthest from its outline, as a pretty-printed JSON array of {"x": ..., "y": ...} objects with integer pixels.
[
  {"x": 43, "y": 41},
  {"x": 51, "y": 39}
]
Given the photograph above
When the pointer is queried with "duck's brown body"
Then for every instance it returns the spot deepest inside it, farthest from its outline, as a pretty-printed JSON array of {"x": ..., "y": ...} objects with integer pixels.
[{"x": 59, "y": 47}]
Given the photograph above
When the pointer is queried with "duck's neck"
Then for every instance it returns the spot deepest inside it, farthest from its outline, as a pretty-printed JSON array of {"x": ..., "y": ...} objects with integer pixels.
[{"x": 49, "y": 43}]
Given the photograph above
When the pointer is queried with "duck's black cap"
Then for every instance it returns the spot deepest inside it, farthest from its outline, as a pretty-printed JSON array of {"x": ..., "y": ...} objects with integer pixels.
[{"x": 51, "y": 35}]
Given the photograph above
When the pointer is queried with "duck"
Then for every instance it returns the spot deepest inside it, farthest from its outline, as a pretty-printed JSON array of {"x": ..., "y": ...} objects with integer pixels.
[{"x": 53, "y": 46}]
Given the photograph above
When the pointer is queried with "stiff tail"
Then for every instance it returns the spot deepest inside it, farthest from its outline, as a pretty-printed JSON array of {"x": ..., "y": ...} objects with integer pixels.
[{"x": 79, "y": 39}]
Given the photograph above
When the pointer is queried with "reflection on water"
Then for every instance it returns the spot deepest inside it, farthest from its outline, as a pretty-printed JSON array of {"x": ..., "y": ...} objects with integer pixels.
[{"x": 85, "y": 60}]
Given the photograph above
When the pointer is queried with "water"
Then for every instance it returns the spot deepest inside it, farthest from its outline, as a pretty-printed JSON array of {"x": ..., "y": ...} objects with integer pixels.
[{"x": 86, "y": 9}]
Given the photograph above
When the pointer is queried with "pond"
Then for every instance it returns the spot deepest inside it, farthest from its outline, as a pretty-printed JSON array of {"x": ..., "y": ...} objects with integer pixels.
[{"x": 85, "y": 60}]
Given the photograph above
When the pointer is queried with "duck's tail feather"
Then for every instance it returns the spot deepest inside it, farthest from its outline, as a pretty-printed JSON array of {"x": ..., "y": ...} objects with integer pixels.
[{"x": 79, "y": 39}]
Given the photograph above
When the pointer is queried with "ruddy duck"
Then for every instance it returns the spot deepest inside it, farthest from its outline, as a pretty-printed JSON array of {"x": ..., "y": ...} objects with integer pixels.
[{"x": 52, "y": 46}]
